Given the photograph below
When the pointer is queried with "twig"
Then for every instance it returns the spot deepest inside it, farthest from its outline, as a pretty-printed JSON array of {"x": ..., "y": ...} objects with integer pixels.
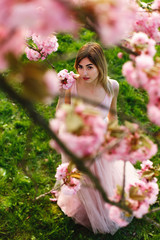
[
  {"x": 152, "y": 221},
  {"x": 154, "y": 210},
  {"x": 43, "y": 195}
]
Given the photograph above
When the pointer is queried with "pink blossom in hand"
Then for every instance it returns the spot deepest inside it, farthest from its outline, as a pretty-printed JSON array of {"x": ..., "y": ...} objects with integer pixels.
[
  {"x": 70, "y": 184},
  {"x": 66, "y": 78},
  {"x": 62, "y": 171},
  {"x": 72, "y": 187}
]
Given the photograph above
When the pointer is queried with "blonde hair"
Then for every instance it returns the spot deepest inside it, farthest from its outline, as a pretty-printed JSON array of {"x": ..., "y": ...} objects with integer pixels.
[{"x": 95, "y": 54}]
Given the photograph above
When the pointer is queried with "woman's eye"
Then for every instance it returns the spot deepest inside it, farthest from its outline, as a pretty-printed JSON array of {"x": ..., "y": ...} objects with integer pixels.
[
  {"x": 89, "y": 67},
  {"x": 79, "y": 66}
]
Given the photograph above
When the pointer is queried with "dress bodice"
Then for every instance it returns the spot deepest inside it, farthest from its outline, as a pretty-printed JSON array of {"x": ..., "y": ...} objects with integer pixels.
[{"x": 106, "y": 101}]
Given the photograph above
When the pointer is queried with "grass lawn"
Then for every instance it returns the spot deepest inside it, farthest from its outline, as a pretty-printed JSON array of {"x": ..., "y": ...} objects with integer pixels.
[{"x": 28, "y": 164}]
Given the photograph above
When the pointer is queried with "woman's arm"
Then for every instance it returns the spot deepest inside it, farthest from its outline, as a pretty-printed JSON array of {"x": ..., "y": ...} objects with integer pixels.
[
  {"x": 65, "y": 97},
  {"x": 112, "y": 115}
]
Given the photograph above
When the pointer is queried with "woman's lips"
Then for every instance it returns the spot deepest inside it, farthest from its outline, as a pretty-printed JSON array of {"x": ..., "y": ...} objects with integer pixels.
[{"x": 85, "y": 78}]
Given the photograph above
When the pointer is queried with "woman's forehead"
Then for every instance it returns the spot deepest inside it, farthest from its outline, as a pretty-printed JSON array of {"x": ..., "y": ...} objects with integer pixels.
[{"x": 85, "y": 61}]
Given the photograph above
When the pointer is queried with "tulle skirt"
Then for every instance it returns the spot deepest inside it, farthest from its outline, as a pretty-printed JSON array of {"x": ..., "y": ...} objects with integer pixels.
[{"x": 87, "y": 207}]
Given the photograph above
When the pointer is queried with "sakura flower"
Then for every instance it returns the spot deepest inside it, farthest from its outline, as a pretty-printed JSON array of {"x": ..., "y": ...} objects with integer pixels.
[
  {"x": 144, "y": 62},
  {"x": 69, "y": 177},
  {"x": 72, "y": 188},
  {"x": 120, "y": 55},
  {"x": 146, "y": 165},
  {"x": 62, "y": 171},
  {"x": 116, "y": 215},
  {"x": 66, "y": 78},
  {"x": 82, "y": 131},
  {"x": 154, "y": 113},
  {"x": 142, "y": 210},
  {"x": 32, "y": 54},
  {"x": 44, "y": 47}
]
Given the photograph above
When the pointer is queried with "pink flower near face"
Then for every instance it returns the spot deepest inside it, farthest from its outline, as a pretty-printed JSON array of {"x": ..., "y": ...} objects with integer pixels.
[
  {"x": 66, "y": 78},
  {"x": 62, "y": 171}
]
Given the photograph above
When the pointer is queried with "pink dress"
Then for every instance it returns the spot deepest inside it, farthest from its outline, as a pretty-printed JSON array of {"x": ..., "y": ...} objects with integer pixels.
[{"x": 87, "y": 206}]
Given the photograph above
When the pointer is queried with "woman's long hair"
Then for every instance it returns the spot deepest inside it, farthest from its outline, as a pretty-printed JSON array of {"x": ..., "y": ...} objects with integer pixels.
[{"x": 95, "y": 54}]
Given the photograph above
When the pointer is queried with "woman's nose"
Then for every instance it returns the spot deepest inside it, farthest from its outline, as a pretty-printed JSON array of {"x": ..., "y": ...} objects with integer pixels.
[{"x": 85, "y": 72}]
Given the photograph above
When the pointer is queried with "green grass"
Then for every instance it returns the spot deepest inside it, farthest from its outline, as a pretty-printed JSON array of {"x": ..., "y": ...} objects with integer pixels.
[{"x": 28, "y": 164}]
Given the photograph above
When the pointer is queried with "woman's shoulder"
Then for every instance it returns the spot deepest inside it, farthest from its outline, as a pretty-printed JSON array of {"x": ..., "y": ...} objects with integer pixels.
[{"x": 115, "y": 85}]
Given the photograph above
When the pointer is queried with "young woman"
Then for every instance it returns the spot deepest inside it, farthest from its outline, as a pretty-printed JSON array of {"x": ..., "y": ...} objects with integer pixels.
[{"x": 87, "y": 206}]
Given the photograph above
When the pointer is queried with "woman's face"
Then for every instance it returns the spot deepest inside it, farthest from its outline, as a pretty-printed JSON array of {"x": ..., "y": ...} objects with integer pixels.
[{"x": 87, "y": 70}]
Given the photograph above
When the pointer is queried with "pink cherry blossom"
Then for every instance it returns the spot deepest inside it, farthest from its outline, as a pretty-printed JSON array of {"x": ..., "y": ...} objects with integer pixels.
[
  {"x": 45, "y": 46},
  {"x": 142, "y": 210},
  {"x": 52, "y": 84},
  {"x": 70, "y": 184},
  {"x": 89, "y": 137},
  {"x": 147, "y": 22},
  {"x": 120, "y": 55},
  {"x": 62, "y": 171},
  {"x": 146, "y": 165},
  {"x": 130, "y": 146},
  {"x": 155, "y": 4},
  {"x": 129, "y": 72},
  {"x": 32, "y": 54},
  {"x": 66, "y": 78},
  {"x": 153, "y": 113},
  {"x": 10, "y": 42},
  {"x": 144, "y": 62},
  {"x": 115, "y": 214},
  {"x": 72, "y": 188}
]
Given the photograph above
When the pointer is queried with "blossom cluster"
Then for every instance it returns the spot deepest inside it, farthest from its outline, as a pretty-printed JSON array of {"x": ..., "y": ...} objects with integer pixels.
[
  {"x": 82, "y": 129},
  {"x": 128, "y": 143},
  {"x": 70, "y": 178},
  {"x": 144, "y": 71},
  {"x": 113, "y": 26},
  {"x": 138, "y": 196},
  {"x": 147, "y": 20},
  {"x": 42, "y": 47},
  {"x": 66, "y": 78}
]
